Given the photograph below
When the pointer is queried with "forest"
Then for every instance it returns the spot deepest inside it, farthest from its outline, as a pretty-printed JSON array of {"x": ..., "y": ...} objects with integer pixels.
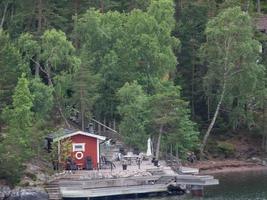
[{"x": 184, "y": 72}]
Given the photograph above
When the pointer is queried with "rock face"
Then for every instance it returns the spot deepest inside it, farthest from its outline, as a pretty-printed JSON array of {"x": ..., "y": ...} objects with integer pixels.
[{"x": 22, "y": 194}]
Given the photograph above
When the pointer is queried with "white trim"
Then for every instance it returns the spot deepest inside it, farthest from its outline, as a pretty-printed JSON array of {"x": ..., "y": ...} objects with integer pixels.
[
  {"x": 80, "y": 133},
  {"x": 82, "y": 144},
  {"x": 97, "y": 143}
]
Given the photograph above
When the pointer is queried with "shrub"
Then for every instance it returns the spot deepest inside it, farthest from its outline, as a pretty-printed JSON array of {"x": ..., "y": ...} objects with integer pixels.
[{"x": 226, "y": 148}]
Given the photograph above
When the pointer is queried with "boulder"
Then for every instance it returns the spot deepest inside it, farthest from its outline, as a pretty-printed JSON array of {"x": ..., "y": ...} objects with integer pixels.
[{"x": 23, "y": 194}]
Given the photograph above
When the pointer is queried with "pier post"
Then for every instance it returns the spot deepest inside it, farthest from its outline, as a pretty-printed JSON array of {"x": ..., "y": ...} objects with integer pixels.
[{"x": 197, "y": 190}]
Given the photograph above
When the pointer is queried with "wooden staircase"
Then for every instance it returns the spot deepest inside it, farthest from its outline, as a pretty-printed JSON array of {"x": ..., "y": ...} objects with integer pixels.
[{"x": 53, "y": 190}]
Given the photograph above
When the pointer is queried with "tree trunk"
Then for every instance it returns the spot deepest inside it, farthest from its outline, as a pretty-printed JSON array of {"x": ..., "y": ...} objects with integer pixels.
[
  {"x": 4, "y": 16},
  {"x": 158, "y": 143},
  {"x": 39, "y": 16},
  {"x": 104, "y": 128},
  {"x": 193, "y": 90},
  {"x": 76, "y": 7},
  {"x": 114, "y": 124},
  {"x": 101, "y": 6},
  {"x": 48, "y": 74},
  {"x": 39, "y": 30},
  {"x": 258, "y": 6},
  {"x": 82, "y": 109},
  {"x": 50, "y": 83},
  {"x": 264, "y": 139},
  {"x": 208, "y": 108},
  {"x": 99, "y": 129},
  {"x": 76, "y": 13},
  {"x": 205, "y": 139}
]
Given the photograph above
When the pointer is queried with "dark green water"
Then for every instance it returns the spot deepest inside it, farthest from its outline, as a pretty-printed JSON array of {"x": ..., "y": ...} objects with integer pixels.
[{"x": 233, "y": 186}]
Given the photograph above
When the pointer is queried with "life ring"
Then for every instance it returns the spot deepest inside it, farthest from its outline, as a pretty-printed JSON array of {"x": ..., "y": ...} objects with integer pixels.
[{"x": 79, "y": 155}]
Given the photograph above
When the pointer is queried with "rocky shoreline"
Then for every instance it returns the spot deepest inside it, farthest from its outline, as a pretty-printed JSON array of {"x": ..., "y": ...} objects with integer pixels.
[
  {"x": 35, "y": 193},
  {"x": 217, "y": 166}
]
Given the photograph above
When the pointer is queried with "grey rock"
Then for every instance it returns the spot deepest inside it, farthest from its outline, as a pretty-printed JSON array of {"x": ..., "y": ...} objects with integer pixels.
[{"x": 23, "y": 194}]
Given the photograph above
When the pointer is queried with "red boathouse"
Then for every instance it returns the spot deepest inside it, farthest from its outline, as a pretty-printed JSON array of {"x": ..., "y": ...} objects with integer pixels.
[{"x": 84, "y": 146}]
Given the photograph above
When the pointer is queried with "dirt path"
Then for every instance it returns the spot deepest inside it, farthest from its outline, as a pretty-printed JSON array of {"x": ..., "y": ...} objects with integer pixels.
[{"x": 217, "y": 166}]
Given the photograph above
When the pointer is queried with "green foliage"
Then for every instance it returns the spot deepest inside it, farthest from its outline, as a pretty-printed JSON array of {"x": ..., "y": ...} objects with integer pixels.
[
  {"x": 63, "y": 154},
  {"x": 126, "y": 47},
  {"x": 133, "y": 111},
  {"x": 16, "y": 145},
  {"x": 10, "y": 68},
  {"x": 226, "y": 148},
  {"x": 167, "y": 109},
  {"x": 142, "y": 115},
  {"x": 232, "y": 55},
  {"x": 19, "y": 116},
  {"x": 43, "y": 98},
  {"x": 190, "y": 30},
  {"x": 57, "y": 51},
  {"x": 116, "y": 60},
  {"x": 85, "y": 93},
  {"x": 11, "y": 168}
]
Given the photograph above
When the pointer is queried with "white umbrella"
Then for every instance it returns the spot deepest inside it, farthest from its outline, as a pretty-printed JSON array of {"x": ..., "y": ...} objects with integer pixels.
[{"x": 148, "y": 152}]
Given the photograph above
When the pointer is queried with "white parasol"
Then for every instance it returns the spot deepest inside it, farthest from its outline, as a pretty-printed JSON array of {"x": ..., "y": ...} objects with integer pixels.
[{"x": 148, "y": 152}]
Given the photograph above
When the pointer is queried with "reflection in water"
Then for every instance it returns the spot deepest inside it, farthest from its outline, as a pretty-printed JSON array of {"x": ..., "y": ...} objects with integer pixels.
[{"x": 233, "y": 186}]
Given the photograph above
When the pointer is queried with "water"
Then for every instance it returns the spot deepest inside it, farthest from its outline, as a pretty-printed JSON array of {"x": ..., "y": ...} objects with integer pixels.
[{"x": 233, "y": 186}]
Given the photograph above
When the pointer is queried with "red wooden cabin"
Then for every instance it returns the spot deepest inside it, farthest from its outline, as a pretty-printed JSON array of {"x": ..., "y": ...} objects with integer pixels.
[{"x": 84, "y": 146}]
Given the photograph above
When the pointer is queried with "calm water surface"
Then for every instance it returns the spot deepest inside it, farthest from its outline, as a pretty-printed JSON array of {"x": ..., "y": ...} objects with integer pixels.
[{"x": 233, "y": 186}]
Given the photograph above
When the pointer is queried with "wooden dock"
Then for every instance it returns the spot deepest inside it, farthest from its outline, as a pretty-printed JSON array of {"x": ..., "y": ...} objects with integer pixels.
[
  {"x": 125, "y": 186},
  {"x": 90, "y": 184}
]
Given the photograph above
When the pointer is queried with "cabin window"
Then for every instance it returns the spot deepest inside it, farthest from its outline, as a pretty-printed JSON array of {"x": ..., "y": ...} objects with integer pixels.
[{"x": 78, "y": 147}]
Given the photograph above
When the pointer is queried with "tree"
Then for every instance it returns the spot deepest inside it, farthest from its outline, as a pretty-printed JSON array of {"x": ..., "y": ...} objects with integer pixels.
[
  {"x": 16, "y": 146},
  {"x": 43, "y": 98},
  {"x": 19, "y": 117},
  {"x": 132, "y": 109},
  {"x": 11, "y": 65},
  {"x": 56, "y": 58},
  {"x": 231, "y": 54},
  {"x": 84, "y": 86},
  {"x": 124, "y": 47},
  {"x": 190, "y": 30},
  {"x": 169, "y": 117}
]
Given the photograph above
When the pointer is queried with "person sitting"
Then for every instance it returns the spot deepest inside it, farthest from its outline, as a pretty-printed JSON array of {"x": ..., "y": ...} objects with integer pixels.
[
  {"x": 191, "y": 157},
  {"x": 70, "y": 164}
]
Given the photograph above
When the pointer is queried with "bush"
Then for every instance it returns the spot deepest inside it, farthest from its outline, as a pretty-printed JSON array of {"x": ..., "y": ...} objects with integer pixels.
[
  {"x": 226, "y": 148},
  {"x": 31, "y": 176},
  {"x": 11, "y": 169}
]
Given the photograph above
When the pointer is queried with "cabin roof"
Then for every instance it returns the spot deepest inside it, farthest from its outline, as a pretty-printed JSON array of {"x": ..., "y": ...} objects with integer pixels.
[{"x": 65, "y": 133}]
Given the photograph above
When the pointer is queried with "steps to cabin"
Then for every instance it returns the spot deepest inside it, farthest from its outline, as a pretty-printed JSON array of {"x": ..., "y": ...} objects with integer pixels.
[{"x": 53, "y": 190}]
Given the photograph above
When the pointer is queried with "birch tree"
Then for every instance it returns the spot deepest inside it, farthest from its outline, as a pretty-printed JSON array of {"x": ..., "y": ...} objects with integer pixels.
[{"x": 231, "y": 56}]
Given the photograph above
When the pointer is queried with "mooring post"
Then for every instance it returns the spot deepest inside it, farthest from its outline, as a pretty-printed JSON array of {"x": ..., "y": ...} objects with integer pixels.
[
  {"x": 138, "y": 162},
  {"x": 197, "y": 190}
]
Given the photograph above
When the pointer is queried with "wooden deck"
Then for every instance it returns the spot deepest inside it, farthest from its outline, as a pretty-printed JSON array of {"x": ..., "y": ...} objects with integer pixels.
[
  {"x": 87, "y": 184},
  {"x": 112, "y": 191}
]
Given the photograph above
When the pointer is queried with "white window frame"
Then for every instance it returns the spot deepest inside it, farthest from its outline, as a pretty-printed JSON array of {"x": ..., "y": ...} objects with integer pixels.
[{"x": 81, "y": 144}]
